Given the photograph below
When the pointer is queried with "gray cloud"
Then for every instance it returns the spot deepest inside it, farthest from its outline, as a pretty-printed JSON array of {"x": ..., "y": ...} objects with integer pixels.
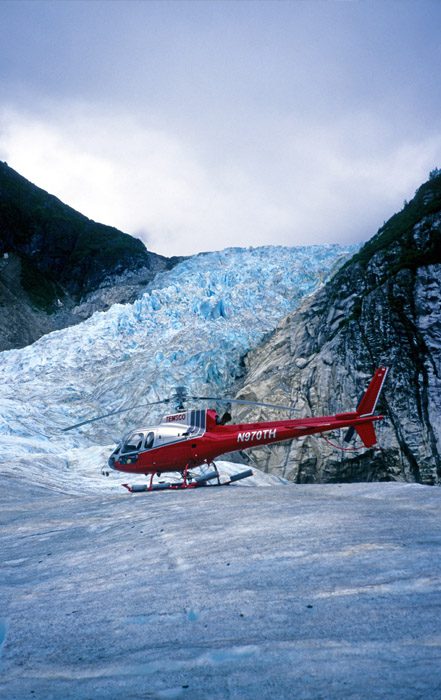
[
  {"x": 305, "y": 186},
  {"x": 202, "y": 125}
]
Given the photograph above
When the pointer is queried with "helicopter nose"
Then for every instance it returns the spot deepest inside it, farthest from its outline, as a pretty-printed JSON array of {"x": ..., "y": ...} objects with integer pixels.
[{"x": 110, "y": 466}]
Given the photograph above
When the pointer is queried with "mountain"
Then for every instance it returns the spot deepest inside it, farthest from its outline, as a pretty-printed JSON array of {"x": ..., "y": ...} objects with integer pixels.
[
  {"x": 191, "y": 327},
  {"x": 57, "y": 267},
  {"x": 208, "y": 323},
  {"x": 275, "y": 592},
  {"x": 382, "y": 307}
]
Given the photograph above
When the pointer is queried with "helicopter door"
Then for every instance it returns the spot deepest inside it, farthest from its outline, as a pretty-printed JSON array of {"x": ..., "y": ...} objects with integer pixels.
[
  {"x": 133, "y": 443},
  {"x": 149, "y": 441}
]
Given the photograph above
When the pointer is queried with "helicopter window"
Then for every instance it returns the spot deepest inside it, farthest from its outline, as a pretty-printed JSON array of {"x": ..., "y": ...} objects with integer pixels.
[
  {"x": 190, "y": 431},
  {"x": 133, "y": 444},
  {"x": 149, "y": 440}
]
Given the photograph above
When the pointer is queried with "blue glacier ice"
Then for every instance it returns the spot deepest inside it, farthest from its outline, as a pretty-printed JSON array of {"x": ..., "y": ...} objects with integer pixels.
[{"x": 191, "y": 327}]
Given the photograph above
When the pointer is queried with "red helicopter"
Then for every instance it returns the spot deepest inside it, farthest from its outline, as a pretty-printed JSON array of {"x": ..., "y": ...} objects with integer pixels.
[{"x": 191, "y": 439}]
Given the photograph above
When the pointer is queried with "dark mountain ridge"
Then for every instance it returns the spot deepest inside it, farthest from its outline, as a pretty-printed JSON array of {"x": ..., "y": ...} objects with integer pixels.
[{"x": 57, "y": 266}]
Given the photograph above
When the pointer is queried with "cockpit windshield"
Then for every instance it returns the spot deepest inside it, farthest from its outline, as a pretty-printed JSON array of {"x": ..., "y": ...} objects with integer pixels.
[{"x": 133, "y": 443}]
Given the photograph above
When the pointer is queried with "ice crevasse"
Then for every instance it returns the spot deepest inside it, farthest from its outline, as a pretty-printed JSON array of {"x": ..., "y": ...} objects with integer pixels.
[{"x": 191, "y": 327}]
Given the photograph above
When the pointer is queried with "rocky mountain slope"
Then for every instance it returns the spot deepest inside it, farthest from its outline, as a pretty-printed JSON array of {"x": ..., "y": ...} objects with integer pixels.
[
  {"x": 57, "y": 267},
  {"x": 382, "y": 307}
]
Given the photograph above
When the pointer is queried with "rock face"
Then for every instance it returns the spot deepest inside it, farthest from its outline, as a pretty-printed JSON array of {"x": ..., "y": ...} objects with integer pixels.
[
  {"x": 382, "y": 307},
  {"x": 57, "y": 267}
]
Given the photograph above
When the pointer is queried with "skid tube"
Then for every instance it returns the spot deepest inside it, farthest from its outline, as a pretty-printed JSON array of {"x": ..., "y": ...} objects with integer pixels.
[{"x": 196, "y": 482}]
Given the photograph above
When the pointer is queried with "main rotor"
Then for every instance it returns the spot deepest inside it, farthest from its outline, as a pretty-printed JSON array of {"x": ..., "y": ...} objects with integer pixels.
[{"x": 178, "y": 399}]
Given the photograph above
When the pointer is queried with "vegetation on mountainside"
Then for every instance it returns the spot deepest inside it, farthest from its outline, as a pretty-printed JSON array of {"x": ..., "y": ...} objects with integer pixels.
[
  {"x": 43, "y": 292},
  {"x": 58, "y": 245},
  {"x": 397, "y": 246},
  {"x": 399, "y": 229}
]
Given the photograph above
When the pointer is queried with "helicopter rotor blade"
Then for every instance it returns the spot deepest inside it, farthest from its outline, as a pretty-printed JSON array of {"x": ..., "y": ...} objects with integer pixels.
[
  {"x": 114, "y": 413},
  {"x": 178, "y": 396},
  {"x": 243, "y": 402}
]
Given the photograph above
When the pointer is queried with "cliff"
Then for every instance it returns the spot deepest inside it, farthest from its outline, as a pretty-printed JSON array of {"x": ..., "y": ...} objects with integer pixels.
[{"x": 382, "y": 307}]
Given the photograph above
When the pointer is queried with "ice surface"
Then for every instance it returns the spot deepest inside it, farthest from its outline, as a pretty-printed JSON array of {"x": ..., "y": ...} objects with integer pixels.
[
  {"x": 191, "y": 328},
  {"x": 303, "y": 591},
  {"x": 78, "y": 470},
  {"x": 290, "y": 591}
]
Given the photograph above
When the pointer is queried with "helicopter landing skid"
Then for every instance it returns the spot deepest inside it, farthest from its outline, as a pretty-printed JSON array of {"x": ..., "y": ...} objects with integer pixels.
[{"x": 193, "y": 483}]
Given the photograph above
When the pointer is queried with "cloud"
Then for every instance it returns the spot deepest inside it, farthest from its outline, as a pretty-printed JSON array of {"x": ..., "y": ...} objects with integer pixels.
[{"x": 281, "y": 182}]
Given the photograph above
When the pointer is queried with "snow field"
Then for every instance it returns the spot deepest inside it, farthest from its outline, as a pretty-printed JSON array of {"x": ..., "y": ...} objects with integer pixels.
[
  {"x": 314, "y": 592},
  {"x": 327, "y": 591}
]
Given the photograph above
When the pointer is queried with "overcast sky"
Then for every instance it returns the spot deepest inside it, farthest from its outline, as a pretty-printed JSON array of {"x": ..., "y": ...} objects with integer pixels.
[{"x": 201, "y": 125}]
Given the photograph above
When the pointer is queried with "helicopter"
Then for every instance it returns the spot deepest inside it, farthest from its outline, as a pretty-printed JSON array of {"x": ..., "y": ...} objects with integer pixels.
[{"x": 188, "y": 440}]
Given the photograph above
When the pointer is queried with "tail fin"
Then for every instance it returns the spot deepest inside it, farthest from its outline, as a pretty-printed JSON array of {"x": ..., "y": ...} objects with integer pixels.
[{"x": 366, "y": 407}]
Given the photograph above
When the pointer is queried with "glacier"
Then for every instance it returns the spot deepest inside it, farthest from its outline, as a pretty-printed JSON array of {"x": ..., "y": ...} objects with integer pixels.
[
  {"x": 286, "y": 591},
  {"x": 191, "y": 327},
  {"x": 304, "y": 591}
]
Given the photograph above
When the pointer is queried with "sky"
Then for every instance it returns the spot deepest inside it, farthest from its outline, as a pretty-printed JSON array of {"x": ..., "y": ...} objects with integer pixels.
[{"x": 201, "y": 125}]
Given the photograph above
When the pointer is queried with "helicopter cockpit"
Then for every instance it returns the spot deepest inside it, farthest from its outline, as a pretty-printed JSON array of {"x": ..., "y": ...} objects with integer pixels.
[
  {"x": 147, "y": 438},
  {"x": 131, "y": 445},
  {"x": 173, "y": 428},
  {"x": 135, "y": 442}
]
